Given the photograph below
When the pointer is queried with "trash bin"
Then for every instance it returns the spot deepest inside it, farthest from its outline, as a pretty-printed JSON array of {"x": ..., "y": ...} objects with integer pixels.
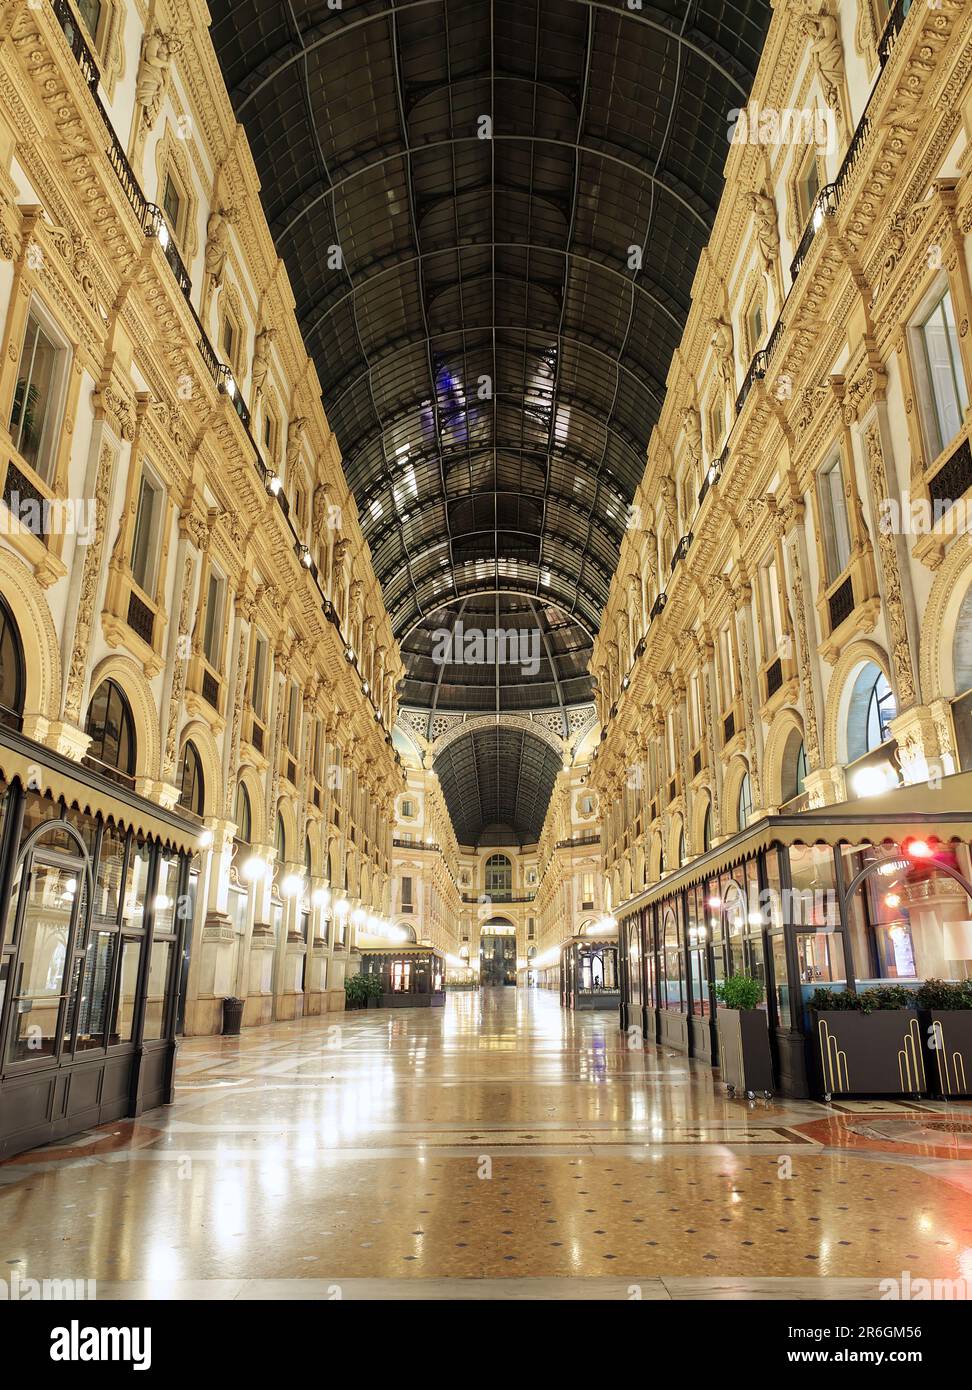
[{"x": 232, "y": 1015}]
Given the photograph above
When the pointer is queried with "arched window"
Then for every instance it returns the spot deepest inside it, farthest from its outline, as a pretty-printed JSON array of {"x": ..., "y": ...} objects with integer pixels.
[
  {"x": 112, "y": 732},
  {"x": 744, "y": 805},
  {"x": 962, "y": 646},
  {"x": 242, "y": 815},
  {"x": 11, "y": 670},
  {"x": 794, "y": 774},
  {"x": 707, "y": 828},
  {"x": 307, "y": 856},
  {"x": 281, "y": 840},
  {"x": 499, "y": 874},
  {"x": 681, "y": 846},
  {"x": 192, "y": 791},
  {"x": 871, "y": 710}
]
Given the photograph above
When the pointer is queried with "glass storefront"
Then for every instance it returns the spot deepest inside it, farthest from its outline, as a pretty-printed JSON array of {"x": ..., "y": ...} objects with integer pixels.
[
  {"x": 793, "y": 918},
  {"x": 91, "y": 923},
  {"x": 589, "y": 974}
]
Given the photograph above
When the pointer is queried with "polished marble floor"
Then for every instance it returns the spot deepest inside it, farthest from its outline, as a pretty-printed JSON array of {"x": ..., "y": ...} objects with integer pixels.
[{"x": 499, "y": 1148}]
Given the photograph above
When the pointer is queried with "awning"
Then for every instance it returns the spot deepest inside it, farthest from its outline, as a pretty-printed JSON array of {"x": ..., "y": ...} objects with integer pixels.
[
  {"x": 51, "y": 774},
  {"x": 945, "y": 810}
]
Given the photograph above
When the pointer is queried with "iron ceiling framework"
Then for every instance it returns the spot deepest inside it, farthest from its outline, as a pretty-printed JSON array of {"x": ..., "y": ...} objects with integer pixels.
[
  {"x": 497, "y": 784},
  {"x": 491, "y": 212}
]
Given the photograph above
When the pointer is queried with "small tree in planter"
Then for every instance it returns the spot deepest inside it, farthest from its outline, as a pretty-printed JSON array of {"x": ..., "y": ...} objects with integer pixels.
[
  {"x": 354, "y": 991},
  {"x": 868, "y": 1043},
  {"x": 372, "y": 991},
  {"x": 744, "y": 1050},
  {"x": 945, "y": 1009}
]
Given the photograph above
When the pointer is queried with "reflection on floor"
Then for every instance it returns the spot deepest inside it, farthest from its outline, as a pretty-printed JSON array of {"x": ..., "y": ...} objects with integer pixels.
[{"x": 417, "y": 1152}]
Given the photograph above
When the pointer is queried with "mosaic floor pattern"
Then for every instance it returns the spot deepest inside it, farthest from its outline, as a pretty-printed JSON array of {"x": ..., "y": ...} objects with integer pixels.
[{"x": 495, "y": 1148}]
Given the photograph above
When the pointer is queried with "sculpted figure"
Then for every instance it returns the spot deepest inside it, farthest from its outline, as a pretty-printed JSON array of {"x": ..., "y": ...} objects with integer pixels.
[
  {"x": 826, "y": 51},
  {"x": 767, "y": 230},
  {"x": 722, "y": 348},
  {"x": 295, "y": 439},
  {"x": 261, "y": 357},
  {"x": 692, "y": 429},
  {"x": 157, "y": 53},
  {"x": 217, "y": 242}
]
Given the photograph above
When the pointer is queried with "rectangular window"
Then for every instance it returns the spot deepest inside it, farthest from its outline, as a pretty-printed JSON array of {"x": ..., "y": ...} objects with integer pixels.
[
  {"x": 270, "y": 435},
  {"x": 717, "y": 425},
  {"x": 293, "y": 717},
  {"x": 127, "y": 997},
  {"x": 172, "y": 206},
  {"x": 90, "y": 12},
  {"x": 160, "y": 968},
  {"x": 258, "y": 677},
  {"x": 833, "y": 515},
  {"x": 213, "y": 630},
  {"x": 229, "y": 339},
  {"x": 148, "y": 528},
  {"x": 946, "y": 377},
  {"x": 39, "y": 395},
  {"x": 318, "y": 751},
  {"x": 587, "y": 892},
  {"x": 727, "y": 671},
  {"x": 808, "y": 187},
  {"x": 772, "y": 621},
  {"x": 406, "y": 894}
]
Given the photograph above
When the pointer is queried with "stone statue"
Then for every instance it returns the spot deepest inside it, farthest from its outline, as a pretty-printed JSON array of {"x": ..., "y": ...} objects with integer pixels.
[
  {"x": 321, "y": 501},
  {"x": 651, "y": 559},
  {"x": 295, "y": 440},
  {"x": 158, "y": 51},
  {"x": 722, "y": 348},
  {"x": 692, "y": 429},
  {"x": 767, "y": 230},
  {"x": 261, "y": 358},
  {"x": 670, "y": 497},
  {"x": 826, "y": 51},
  {"x": 217, "y": 241}
]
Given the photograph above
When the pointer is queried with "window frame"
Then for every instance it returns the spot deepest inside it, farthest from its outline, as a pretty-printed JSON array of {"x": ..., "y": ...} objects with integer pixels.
[
  {"x": 210, "y": 627},
  {"x": 148, "y": 476},
  {"x": 832, "y": 467},
  {"x": 930, "y": 414},
  {"x": 46, "y": 466}
]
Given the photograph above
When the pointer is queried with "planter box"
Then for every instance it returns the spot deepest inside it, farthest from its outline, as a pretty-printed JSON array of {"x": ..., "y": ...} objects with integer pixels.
[
  {"x": 400, "y": 1000},
  {"x": 745, "y": 1060},
  {"x": 595, "y": 999},
  {"x": 877, "y": 1054},
  {"x": 948, "y": 1038}
]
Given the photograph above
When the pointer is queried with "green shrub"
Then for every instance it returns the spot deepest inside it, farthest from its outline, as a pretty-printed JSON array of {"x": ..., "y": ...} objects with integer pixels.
[
  {"x": 944, "y": 994},
  {"x": 838, "y": 1000},
  {"x": 740, "y": 992},
  {"x": 355, "y": 989},
  {"x": 887, "y": 997},
  {"x": 372, "y": 986}
]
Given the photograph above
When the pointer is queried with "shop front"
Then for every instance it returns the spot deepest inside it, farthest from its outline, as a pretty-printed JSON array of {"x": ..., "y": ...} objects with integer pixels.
[
  {"x": 828, "y": 902},
  {"x": 411, "y": 976},
  {"x": 96, "y": 897},
  {"x": 589, "y": 974}
]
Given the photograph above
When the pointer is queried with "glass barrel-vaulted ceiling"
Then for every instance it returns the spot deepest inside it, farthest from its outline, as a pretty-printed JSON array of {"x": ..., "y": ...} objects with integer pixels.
[{"x": 491, "y": 212}]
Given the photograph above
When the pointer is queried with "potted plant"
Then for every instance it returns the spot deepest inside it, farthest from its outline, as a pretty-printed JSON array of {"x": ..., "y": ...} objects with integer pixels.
[
  {"x": 945, "y": 1010},
  {"x": 744, "y": 1051},
  {"x": 354, "y": 991},
  {"x": 868, "y": 1042},
  {"x": 373, "y": 991}
]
